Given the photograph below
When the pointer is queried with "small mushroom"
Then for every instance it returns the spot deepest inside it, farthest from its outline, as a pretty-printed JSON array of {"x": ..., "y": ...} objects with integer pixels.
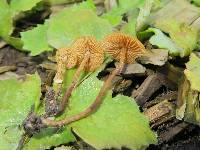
[
  {"x": 124, "y": 49},
  {"x": 86, "y": 53}
]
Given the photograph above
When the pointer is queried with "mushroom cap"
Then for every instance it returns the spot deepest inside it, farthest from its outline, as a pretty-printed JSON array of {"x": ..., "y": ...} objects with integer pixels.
[
  {"x": 117, "y": 42},
  {"x": 87, "y": 46},
  {"x": 62, "y": 59},
  {"x": 66, "y": 57}
]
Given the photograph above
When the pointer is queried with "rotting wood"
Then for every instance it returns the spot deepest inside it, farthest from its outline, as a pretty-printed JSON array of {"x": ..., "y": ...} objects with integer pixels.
[
  {"x": 172, "y": 131},
  {"x": 121, "y": 85},
  {"x": 151, "y": 84},
  {"x": 7, "y": 68},
  {"x": 170, "y": 95},
  {"x": 159, "y": 111},
  {"x": 172, "y": 75}
]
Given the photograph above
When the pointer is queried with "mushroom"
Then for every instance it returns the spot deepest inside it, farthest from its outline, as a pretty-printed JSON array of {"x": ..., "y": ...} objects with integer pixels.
[
  {"x": 124, "y": 49},
  {"x": 86, "y": 53}
]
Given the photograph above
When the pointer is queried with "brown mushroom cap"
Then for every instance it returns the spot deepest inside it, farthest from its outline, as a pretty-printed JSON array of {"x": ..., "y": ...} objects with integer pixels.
[
  {"x": 87, "y": 46},
  {"x": 117, "y": 42}
]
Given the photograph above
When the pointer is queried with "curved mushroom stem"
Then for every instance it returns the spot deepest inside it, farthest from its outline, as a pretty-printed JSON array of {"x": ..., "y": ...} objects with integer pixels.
[
  {"x": 75, "y": 80},
  {"x": 93, "y": 107}
]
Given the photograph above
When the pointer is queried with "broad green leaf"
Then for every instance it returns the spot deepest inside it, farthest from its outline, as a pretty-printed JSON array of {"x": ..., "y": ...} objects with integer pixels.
[
  {"x": 72, "y": 23},
  {"x": 50, "y": 137},
  {"x": 181, "y": 34},
  {"x": 118, "y": 122},
  {"x": 193, "y": 72},
  {"x": 114, "y": 16},
  {"x": 16, "y": 100},
  {"x": 23, "y": 5},
  {"x": 6, "y": 19},
  {"x": 88, "y": 4},
  {"x": 7, "y": 24},
  {"x": 35, "y": 40},
  {"x": 162, "y": 41},
  {"x": 196, "y": 2}
]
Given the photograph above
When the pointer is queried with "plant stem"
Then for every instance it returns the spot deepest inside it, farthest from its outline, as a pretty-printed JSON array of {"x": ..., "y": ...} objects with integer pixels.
[
  {"x": 75, "y": 80},
  {"x": 94, "y": 106}
]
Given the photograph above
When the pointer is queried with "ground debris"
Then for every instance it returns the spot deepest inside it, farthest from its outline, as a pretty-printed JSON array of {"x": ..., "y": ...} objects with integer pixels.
[
  {"x": 164, "y": 109},
  {"x": 156, "y": 57},
  {"x": 134, "y": 69},
  {"x": 151, "y": 84},
  {"x": 188, "y": 103},
  {"x": 172, "y": 131},
  {"x": 7, "y": 68}
]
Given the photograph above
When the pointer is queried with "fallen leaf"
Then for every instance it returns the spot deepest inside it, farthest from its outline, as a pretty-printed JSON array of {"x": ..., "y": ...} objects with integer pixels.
[
  {"x": 192, "y": 72},
  {"x": 188, "y": 107}
]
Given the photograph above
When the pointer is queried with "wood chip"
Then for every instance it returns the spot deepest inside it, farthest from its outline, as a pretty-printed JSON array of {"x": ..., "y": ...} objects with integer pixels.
[{"x": 134, "y": 69}]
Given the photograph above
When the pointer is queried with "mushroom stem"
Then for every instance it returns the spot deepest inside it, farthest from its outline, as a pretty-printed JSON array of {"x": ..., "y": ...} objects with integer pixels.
[
  {"x": 75, "y": 80},
  {"x": 94, "y": 106}
]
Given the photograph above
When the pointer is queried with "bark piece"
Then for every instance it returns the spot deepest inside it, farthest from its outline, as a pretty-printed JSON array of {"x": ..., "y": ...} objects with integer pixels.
[
  {"x": 133, "y": 69},
  {"x": 151, "y": 84},
  {"x": 172, "y": 131},
  {"x": 7, "y": 68},
  {"x": 159, "y": 111}
]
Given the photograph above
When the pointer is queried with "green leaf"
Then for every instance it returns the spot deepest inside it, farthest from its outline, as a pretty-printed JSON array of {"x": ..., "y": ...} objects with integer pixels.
[
  {"x": 118, "y": 122},
  {"x": 16, "y": 100},
  {"x": 162, "y": 41},
  {"x": 72, "y": 23},
  {"x": 88, "y": 4},
  {"x": 6, "y": 19},
  {"x": 114, "y": 16},
  {"x": 50, "y": 137},
  {"x": 196, "y": 2},
  {"x": 6, "y": 24},
  {"x": 23, "y": 5},
  {"x": 181, "y": 34},
  {"x": 193, "y": 72},
  {"x": 35, "y": 40}
]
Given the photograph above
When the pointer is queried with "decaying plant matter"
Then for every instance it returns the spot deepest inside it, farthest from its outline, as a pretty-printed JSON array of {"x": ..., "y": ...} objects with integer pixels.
[{"x": 122, "y": 48}]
